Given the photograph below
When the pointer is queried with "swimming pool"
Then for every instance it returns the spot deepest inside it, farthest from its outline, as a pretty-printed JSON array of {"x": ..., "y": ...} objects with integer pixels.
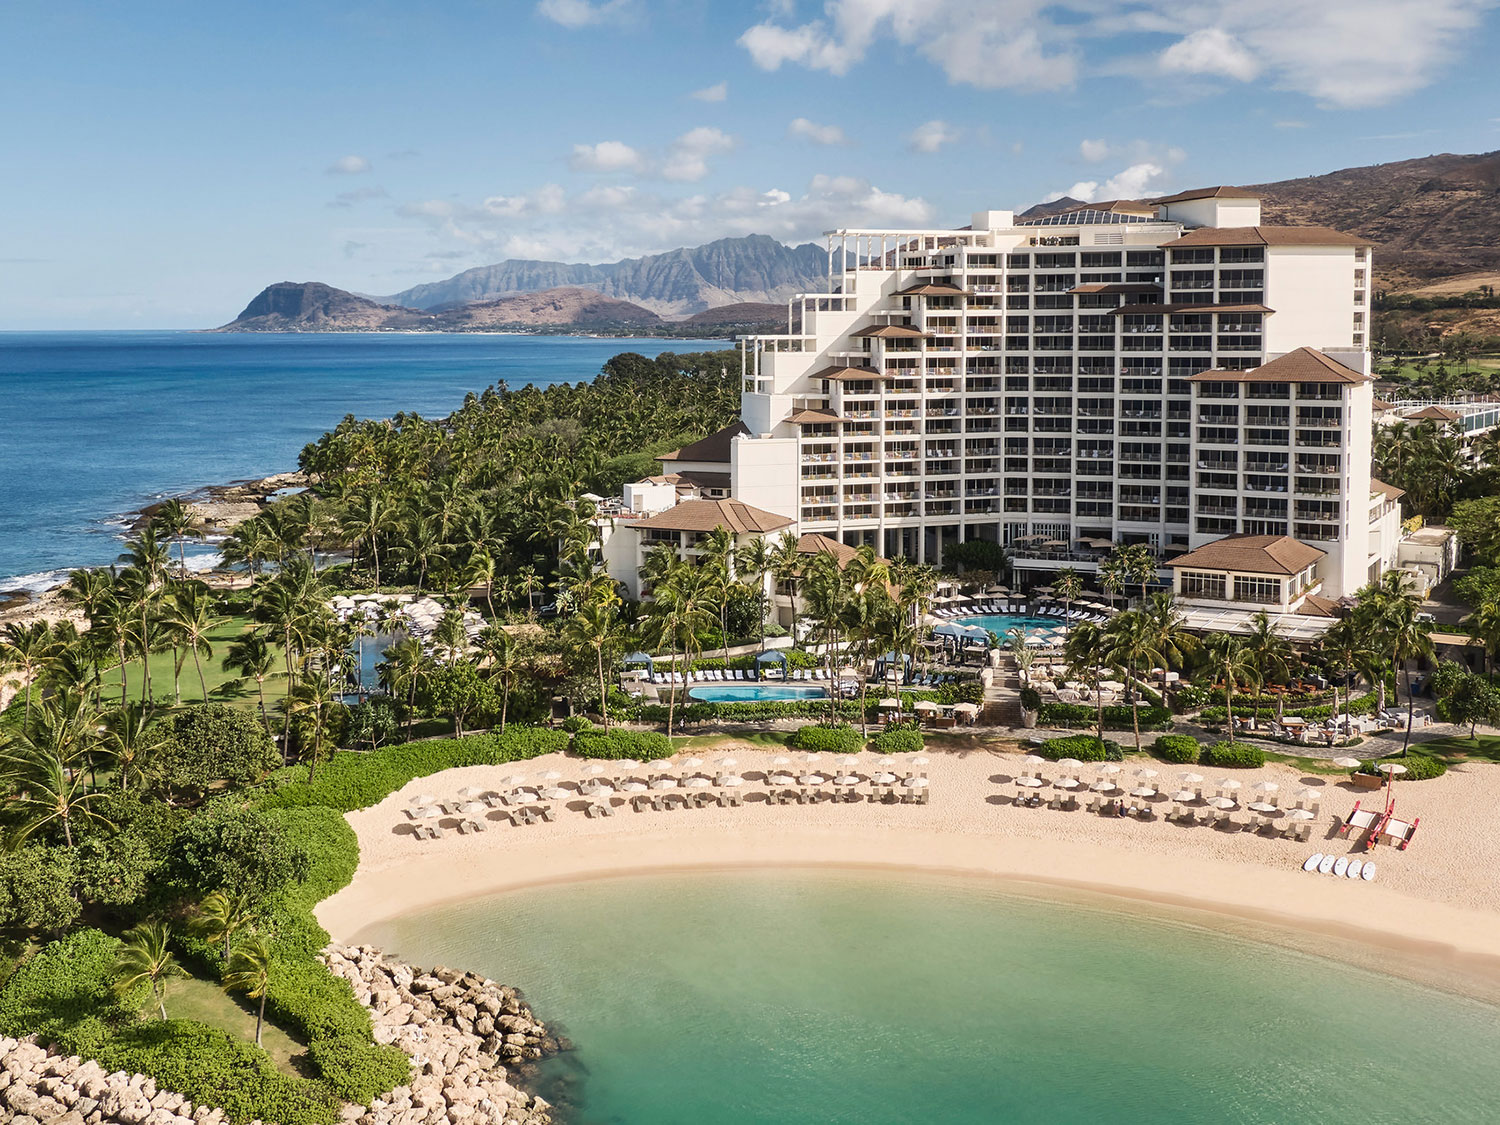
[
  {"x": 754, "y": 693},
  {"x": 1002, "y": 623}
]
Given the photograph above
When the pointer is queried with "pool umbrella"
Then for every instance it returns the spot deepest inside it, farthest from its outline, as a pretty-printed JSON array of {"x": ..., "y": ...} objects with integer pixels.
[
  {"x": 634, "y": 787},
  {"x": 924, "y": 705},
  {"x": 1109, "y": 768},
  {"x": 1265, "y": 787},
  {"x": 699, "y": 782},
  {"x": 1346, "y": 763},
  {"x": 731, "y": 780},
  {"x": 1143, "y": 791},
  {"x": 1229, "y": 783},
  {"x": 915, "y": 782},
  {"x": 890, "y": 704},
  {"x": 883, "y": 778},
  {"x": 1103, "y": 785}
]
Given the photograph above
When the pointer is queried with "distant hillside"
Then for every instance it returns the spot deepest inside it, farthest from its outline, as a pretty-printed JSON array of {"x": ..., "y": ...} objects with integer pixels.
[
  {"x": 755, "y": 268},
  {"x": 313, "y": 307},
  {"x": 745, "y": 315}
]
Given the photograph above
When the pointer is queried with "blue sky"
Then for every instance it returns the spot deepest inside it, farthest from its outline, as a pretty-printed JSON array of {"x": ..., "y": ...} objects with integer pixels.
[{"x": 162, "y": 162}]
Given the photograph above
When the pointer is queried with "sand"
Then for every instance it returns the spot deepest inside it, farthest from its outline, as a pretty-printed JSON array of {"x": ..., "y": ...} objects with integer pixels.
[{"x": 1434, "y": 906}]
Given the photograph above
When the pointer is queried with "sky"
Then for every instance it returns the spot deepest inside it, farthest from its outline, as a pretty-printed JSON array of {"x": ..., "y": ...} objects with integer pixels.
[{"x": 161, "y": 162}]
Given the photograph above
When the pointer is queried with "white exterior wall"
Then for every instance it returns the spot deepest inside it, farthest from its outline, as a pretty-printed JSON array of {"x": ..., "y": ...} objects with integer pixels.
[
  {"x": 764, "y": 474},
  {"x": 1312, "y": 291},
  {"x": 1214, "y": 212}
]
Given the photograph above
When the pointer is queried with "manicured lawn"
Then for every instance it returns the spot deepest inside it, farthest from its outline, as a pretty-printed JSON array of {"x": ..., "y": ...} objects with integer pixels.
[
  {"x": 767, "y": 739},
  {"x": 223, "y": 687},
  {"x": 193, "y": 999},
  {"x": 1484, "y": 748}
]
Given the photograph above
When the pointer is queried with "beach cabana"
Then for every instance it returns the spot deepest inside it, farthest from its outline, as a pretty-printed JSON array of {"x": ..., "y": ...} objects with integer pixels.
[
  {"x": 639, "y": 658},
  {"x": 769, "y": 657}
]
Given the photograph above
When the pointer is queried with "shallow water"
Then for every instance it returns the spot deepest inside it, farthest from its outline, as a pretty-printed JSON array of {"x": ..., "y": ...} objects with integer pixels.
[
  {"x": 836, "y": 996},
  {"x": 99, "y": 424}
]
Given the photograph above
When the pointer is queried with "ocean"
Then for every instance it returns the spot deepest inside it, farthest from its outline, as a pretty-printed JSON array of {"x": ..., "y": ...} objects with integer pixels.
[
  {"x": 826, "y": 996},
  {"x": 99, "y": 424}
]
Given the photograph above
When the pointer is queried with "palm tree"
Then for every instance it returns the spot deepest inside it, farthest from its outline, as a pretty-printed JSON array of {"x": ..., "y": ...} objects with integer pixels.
[
  {"x": 147, "y": 554},
  {"x": 1113, "y": 574},
  {"x": 528, "y": 583},
  {"x": 222, "y": 915},
  {"x": 503, "y": 656},
  {"x": 144, "y": 958},
  {"x": 482, "y": 570},
  {"x": 718, "y": 560},
  {"x": 45, "y": 766},
  {"x": 314, "y": 700},
  {"x": 1130, "y": 644},
  {"x": 251, "y": 544},
  {"x": 189, "y": 617},
  {"x": 786, "y": 568},
  {"x": 252, "y": 656},
  {"x": 364, "y": 521},
  {"x": 1269, "y": 653},
  {"x": 1170, "y": 633},
  {"x": 596, "y": 627},
  {"x": 1387, "y": 612},
  {"x": 131, "y": 737},
  {"x": 27, "y": 649},
  {"x": 1348, "y": 651},
  {"x": 174, "y": 520},
  {"x": 1084, "y": 650},
  {"x": 1228, "y": 657},
  {"x": 249, "y": 971},
  {"x": 1068, "y": 585},
  {"x": 401, "y": 672},
  {"x": 754, "y": 561}
]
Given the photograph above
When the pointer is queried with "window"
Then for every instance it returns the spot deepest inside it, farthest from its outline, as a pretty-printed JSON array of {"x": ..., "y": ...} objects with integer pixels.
[
  {"x": 1202, "y": 584},
  {"x": 1261, "y": 591}
]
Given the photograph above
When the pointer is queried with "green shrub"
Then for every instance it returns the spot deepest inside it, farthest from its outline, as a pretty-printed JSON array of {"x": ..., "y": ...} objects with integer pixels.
[
  {"x": 209, "y": 743},
  {"x": 1084, "y": 747},
  {"x": 823, "y": 739},
  {"x": 616, "y": 744},
  {"x": 1232, "y": 755},
  {"x": 1117, "y": 716},
  {"x": 1031, "y": 699},
  {"x": 1419, "y": 767},
  {"x": 898, "y": 740},
  {"x": 357, "y": 1069},
  {"x": 63, "y": 986},
  {"x": 1180, "y": 748}
]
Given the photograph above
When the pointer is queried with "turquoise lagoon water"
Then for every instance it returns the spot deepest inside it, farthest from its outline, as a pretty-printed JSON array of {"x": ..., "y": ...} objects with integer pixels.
[
  {"x": 99, "y": 424},
  {"x": 1003, "y": 623},
  {"x": 754, "y": 693},
  {"x": 804, "y": 996}
]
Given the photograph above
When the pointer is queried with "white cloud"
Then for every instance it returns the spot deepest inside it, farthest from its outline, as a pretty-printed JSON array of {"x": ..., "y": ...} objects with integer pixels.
[
  {"x": 715, "y": 93},
  {"x": 985, "y": 43},
  {"x": 687, "y": 159},
  {"x": 1093, "y": 151},
  {"x": 818, "y": 134},
  {"x": 1340, "y": 52},
  {"x": 1210, "y": 50},
  {"x": 348, "y": 166},
  {"x": 643, "y": 222},
  {"x": 580, "y": 13},
  {"x": 931, "y": 136},
  {"x": 1134, "y": 182},
  {"x": 606, "y": 156}
]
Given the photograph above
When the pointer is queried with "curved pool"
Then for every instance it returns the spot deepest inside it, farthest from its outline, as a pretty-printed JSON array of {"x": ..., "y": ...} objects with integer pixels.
[
  {"x": 753, "y": 693},
  {"x": 1001, "y": 624}
]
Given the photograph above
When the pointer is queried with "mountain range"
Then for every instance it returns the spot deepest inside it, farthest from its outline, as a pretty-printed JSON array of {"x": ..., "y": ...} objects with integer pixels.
[{"x": 1432, "y": 219}]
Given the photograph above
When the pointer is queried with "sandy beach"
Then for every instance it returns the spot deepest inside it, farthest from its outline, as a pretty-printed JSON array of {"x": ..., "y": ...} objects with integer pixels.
[{"x": 1431, "y": 913}]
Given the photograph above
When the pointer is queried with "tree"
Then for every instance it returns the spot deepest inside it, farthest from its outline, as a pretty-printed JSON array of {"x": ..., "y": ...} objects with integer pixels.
[
  {"x": 44, "y": 767},
  {"x": 1387, "y": 612},
  {"x": 132, "y": 737},
  {"x": 249, "y": 972},
  {"x": 1228, "y": 658},
  {"x": 1478, "y": 525},
  {"x": 1169, "y": 632},
  {"x": 372, "y": 722},
  {"x": 1470, "y": 700},
  {"x": 145, "y": 959},
  {"x": 27, "y": 649},
  {"x": 402, "y": 671},
  {"x": 251, "y": 545},
  {"x": 364, "y": 521},
  {"x": 1268, "y": 652},
  {"x": 596, "y": 629},
  {"x": 222, "y": 915},
  {"x": 718, "y": 560},
  {"x": 252, "y": 656},
  {"x": 175, "y": 520},
  {"x": 1084, "y": 650},
  {"x": 236, "y": 849},
  {"x": 315, "y": 704},
  {"x": 1068, "y": 586},
  {"x": 460, "y": 691},
  {"x": 36, "y": 892},
  {"x": 1130, "y": 644},
  {"x": 206, "y": 746},
  {"x": 188, "y": 618},
  {"x": 786, "y": 568},
  {"x": 754, "y": 560}
]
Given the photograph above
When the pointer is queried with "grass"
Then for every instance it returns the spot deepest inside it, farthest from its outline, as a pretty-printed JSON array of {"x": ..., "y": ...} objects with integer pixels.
[
  {"x": 769, "y": 739},
  {"x": 223, "y": 687},
  {"x": 1485, "y": 748},
  {"x": 192, "y": 998}
]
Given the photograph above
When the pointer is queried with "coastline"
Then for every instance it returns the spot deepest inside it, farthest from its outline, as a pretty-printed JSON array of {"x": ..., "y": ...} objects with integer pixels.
[{"x": 1408, "y": 923}]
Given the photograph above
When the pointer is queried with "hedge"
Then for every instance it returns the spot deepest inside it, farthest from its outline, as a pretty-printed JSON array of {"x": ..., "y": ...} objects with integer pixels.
[
  {"x": 1232, "y": 755},
  {"x": 643, "y": 745},
  {"x": 1360, "y": 705},
  {"x": 898, "y": 740},
  {"x": 1419, "y": 767},
  {"x": 820, "y": 739},
  {"x": 1180, "y": 748},
  {"x": 1116, "y": 716},
  {"x": 1084, "y": 747}
]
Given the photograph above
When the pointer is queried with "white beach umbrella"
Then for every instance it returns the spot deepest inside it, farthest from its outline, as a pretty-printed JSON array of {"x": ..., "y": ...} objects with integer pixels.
[
  {"x": 1069, "y": 763},
  {"x": 1109, "y": 768},
  {"x": 921, "y": 760},
  {"x": 887, "y": 760},
  {"x": 1184, "y": 795},
  {"x": 469, "y": 792},
  {"x": 690, "y": 763},
  {"x": 1190, "y": 777},
  {"x": 1067, "y": 783},
  {"x": 663, "y": 783},
  {"x": 628, "y": 764},
  {"x": 525, "y": 794},
  {"x": 915, "y": 782},
  {"x": 812, "y": 779},
  {"x": 1392, "y": 768},
  {"x": 1030, "y": 782},
  {"x": 551, "y": 775},
  {"x": 513, "y": 779},
  {"x": 1265, "y": 787},
  {"x": 1033, "y": 759},
  {"x": 847, "y": 779},
  {"x": 430, "y": 812},
  {"x": 781, "y": 779},
  {"x": 424, "y": 799},
  {"x": 596, "y": 769},
  {"x": 731, "y": 779},
  {"x": 1143, "y": 791},
  {"x": 634, "y": 787},
  {"x": 781, "y": 760},
  {"x": 811, "y": 756},
  {"x": 1309, "y": 795},
  {"x": 883, "y": 778},
  {"x": 1300, "y": 814},
  {"x": 1222, "y": 803},
  {"x": 473, "y": 807},
  {"x": 726, "y": 762},
  {"x": 1229, "y": 783},
  {"x": 1146, "y": 772},
  {"x": 1346, "y": 763},
  {"x": 1103, "y": 785},
  {"x": 556, "y": 793},
  {"x": 699, "y": 782}
]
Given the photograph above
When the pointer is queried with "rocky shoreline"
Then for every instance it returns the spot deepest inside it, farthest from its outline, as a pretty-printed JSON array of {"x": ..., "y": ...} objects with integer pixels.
[{"x": 461, "y": 1031}]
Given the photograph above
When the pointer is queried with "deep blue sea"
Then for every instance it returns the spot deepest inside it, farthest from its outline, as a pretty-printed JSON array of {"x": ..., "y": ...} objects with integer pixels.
[{"x": 99, "y": 424}]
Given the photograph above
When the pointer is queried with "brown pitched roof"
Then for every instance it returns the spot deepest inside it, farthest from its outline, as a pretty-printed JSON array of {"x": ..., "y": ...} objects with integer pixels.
[
  {"x": 1192, "y": 308},
  {"x": 693, "y": 480},
  {"x": 814, "y": 544},
  {"x": 803, "y": 417},
  {"x": 1221, "y": 192},
  {"x": 891, "y": 332},
  {"x": 1390, "y": 491},
  {"x": 1434, "y": 414},
  {"x": 1118, "y": 206},
  {"x": 850, "y": 373},
  {"x": 932, "y": 289},
  {"x": 1305, "y": 365},
  {"x": 1315, "y": 606},
  {"x": 1117, "y": 287},
  {"x": 715, "y": 447},
  {"x": 1268, "y": 236},
  {"x": 705, "y": 515},
  {"x": 1381, "y": 404},
  {"x": 1252, "y": 554}
]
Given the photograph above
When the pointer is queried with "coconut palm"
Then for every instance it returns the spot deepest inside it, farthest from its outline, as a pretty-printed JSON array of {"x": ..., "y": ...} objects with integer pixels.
[
  {"x": 1130, "y": 643},
  {"x": 1387, "y": 612},
  {"x": 147, "y": 554},
  {"x": 1228, "y": 657},
  {"x": 1347, "y": 651},
  {"x": 222, "y": 915},
  {"x": 313, "y": 700},
  {"x": 718, "y": 563},
  {"x": 249, "y": 971},
  {"x": 596, "y": 628},
  {"x": 1085, "y": 650},
  {"x": 27, "y": 649},
  {"x": 45, "y": 765},
  {"x": 786, "y": 568},
  {"x": 175, "y": 520},
  {"x": 249, "y": 544},
  {"x": 502, "y": 656},
  {"x": 145, "y": 958},
  {"x": 1067, "y": 586},
  {"x": 753, "y": 560},
  {"x": 401, "y": 672},
  {"x": 131, "y": 736},
  {"x": 364, "y": 521},
  {"x": 188, "y": 617},
  {"x": 1170, "y": 633},
  {"x": 253, "y": 657},
  {"x": 1270, "y": 654}
]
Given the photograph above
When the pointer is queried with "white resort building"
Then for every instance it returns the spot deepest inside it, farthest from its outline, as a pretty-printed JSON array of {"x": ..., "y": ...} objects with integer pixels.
[{"x": 1171, "y": 373}]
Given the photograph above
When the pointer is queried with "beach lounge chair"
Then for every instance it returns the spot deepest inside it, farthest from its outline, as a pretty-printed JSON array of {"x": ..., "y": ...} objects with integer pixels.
[
  {"x": 1362, "y": 820},
  {"x": 467, "y": 826},
  {"x": 640, "y": 802},
  {"x": 1398, "y": 832}
]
